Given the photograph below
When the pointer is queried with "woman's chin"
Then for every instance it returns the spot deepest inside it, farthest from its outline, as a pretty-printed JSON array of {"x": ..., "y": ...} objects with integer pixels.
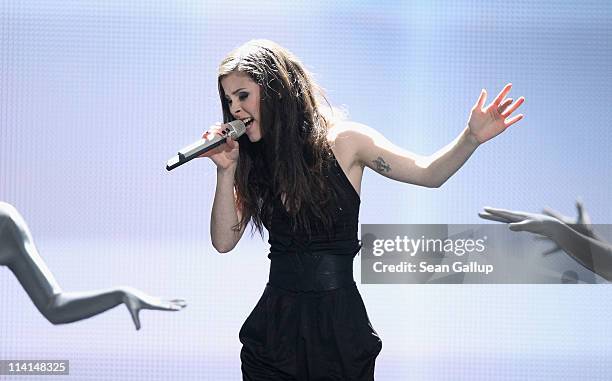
[{"x": 253, "y": 133}]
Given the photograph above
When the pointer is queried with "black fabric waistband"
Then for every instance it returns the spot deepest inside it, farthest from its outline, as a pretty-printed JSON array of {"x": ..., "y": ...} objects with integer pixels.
[
  {"x": 341, "y": 244},
  {"x": 296, "y": 271}
]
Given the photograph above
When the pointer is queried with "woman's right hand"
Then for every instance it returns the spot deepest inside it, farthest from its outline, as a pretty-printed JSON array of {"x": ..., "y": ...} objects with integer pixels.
[{"x": 225, "y": 155}]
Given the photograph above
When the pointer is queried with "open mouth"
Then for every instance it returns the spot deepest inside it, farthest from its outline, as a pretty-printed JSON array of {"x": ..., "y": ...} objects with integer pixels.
[{"x": 247, "y": 122}]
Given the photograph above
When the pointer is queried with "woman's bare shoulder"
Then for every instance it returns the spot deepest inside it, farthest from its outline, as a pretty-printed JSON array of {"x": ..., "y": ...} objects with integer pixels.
[
  {"x": 345, "y": 138},
  {"x": 346, "y": 131}
]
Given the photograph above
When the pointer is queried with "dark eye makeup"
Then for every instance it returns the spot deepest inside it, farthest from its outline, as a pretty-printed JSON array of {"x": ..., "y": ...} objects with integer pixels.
[{"x": 241, "y": 96}]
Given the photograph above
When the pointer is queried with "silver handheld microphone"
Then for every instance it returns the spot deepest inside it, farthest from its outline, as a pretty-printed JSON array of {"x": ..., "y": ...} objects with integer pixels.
[{"x": 234, "y": 129}]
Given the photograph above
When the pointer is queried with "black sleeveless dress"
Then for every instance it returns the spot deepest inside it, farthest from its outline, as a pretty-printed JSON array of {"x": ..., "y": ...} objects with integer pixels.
[{"x": 311, "y": 323}]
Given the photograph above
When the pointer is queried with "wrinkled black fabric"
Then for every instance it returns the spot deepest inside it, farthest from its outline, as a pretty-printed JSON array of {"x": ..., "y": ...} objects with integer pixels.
[
  {"x": 311, "y": 323},
  {"x": 323, "y": 335}
]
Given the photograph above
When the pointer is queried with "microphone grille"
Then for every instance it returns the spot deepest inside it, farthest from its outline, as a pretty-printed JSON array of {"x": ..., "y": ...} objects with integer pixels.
[{"x": 238, "y": 128}]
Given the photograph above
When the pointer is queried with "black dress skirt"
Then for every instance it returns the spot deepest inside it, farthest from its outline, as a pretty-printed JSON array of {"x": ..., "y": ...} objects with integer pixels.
[{"x": 324, "y": 335}]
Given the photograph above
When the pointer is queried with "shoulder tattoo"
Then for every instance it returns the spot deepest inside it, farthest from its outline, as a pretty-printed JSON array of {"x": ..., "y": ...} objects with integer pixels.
[{"x": 381, "y": 165}]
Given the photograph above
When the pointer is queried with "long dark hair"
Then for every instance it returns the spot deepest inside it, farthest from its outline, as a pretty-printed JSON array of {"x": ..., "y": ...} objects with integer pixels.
[{"x": 289, "y": 162}]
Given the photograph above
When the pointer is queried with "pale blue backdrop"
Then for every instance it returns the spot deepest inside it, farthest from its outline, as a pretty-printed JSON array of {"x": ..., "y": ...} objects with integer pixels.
[{"x": 95, "y": 96}]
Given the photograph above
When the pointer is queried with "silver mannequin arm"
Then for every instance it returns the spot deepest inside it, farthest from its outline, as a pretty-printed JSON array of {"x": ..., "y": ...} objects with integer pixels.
[
  {"x": 17, "y": 251},
  {"x": 593, "y": 253}
]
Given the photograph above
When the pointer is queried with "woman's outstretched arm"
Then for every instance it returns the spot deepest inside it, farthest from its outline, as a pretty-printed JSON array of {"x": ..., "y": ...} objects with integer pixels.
[
  {"x": 18, "y": 252},
  {"x": 373, "y": 150}
]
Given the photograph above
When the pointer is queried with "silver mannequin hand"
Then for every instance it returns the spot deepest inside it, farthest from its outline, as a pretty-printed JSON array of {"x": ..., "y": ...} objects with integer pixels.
[{"x": 594, "y": 254}]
